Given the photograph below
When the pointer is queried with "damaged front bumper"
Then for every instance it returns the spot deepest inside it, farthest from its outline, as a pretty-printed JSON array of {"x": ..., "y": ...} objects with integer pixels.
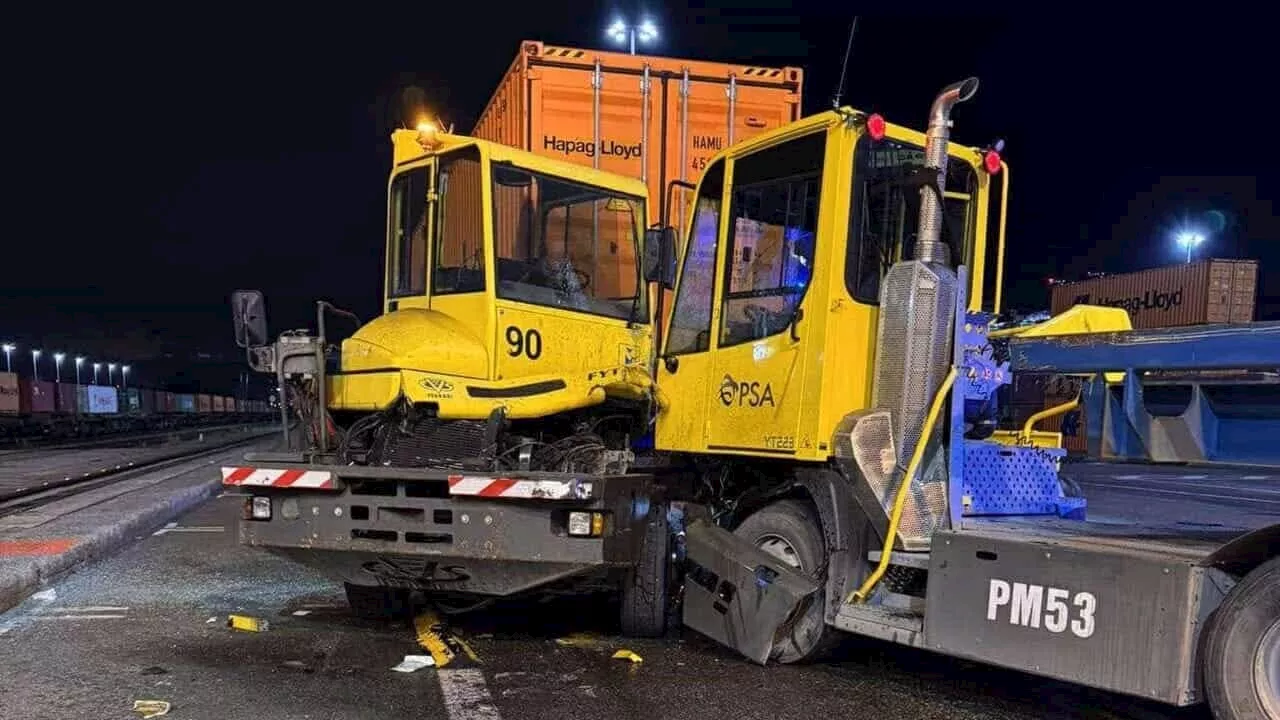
[{"x": 442, "y": 531}]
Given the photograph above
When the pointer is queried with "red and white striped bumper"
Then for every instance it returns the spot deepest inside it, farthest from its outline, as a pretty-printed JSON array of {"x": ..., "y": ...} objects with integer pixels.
[
  {"x": 279, "y": 477},
  {"x": 459, "y": 485},
  {"x": 491, "y": 487}
]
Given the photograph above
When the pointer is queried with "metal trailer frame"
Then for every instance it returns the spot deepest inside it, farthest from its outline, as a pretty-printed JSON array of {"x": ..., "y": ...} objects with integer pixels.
[
  {"x": 1018, "y": 578},
  {"x": 441, "y": 530}
]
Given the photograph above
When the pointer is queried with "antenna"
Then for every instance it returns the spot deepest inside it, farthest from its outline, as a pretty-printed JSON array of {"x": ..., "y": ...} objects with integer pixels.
[{"x": 844, "y": 67}]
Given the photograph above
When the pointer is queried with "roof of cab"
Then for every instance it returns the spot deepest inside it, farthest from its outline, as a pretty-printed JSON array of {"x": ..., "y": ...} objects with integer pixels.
[{"x": 407, "y": 149}]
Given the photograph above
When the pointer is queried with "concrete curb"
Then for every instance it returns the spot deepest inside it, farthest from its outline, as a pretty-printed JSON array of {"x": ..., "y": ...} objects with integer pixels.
[{"x": 18, "y": 580}]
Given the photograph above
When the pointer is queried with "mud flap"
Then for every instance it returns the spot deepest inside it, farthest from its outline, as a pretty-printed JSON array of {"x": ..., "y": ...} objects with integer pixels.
[{"x": 738, "y": 595}]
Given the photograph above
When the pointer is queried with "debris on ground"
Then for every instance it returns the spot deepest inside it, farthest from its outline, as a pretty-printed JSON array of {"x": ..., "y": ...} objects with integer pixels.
[
  {"x": 301, "y": 613},
  {"x": 46, "y": 595},
  {"x": 627, "y": 655},
  {"x": 211, "y": 621},
  {"x": 434, "y": 637},
  {"x": 247, "y": 623},
  {"x": 154, "y": 670},
  {"x": 298, "y": 665},
  {"x": 151, "y": 708},
  {"x": 413, "y": 663},
  {"x": 579, "y": 640}
]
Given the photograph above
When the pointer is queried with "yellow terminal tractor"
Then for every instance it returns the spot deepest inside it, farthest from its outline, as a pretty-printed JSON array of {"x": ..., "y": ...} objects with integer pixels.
[{"x": 810, "y": 447}]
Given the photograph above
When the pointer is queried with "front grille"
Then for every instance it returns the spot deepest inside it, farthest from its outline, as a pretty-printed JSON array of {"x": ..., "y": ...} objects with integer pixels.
[{"x": 436, "y": 443}]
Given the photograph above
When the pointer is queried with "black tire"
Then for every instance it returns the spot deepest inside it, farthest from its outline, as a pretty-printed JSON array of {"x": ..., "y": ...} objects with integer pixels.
[
  {"x": 796, "y": 523},
  {"x": 374, "y": 602},
  {"x": 644, "y": 587},
  {"x": 1234, "y": 649}
]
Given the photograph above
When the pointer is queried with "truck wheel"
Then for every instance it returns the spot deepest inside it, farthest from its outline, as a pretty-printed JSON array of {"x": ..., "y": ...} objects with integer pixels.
[
  {"x": 789, "y": 531},
  {"x": 1242, "y": 649},
  {"x": 374, "y": 602},
  {"x": 644, "y": 588}
]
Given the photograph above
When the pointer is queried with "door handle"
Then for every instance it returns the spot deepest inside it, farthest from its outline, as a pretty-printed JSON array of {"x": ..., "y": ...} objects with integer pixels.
[{"x": 672, "y": 363}]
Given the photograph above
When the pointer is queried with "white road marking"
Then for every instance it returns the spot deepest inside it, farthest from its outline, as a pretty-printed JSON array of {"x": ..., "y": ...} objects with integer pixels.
[
  {"x": 1165, "y": 481},
  {"x": 1254, "y": 477},
  {"x": 1194, "y": 477},
  {"x": 85, "y": 609},
  {"x": 466, "y": 697},
  {"x": 81, "y": 617},
  {"x": 1127, "y": 477},
  {"x": 173, "y": 528},
  {"x": 1181, "y": 492}
]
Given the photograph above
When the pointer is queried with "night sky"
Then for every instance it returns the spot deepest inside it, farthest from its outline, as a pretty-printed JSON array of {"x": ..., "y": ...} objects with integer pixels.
[{"x": 176, "y": 167}]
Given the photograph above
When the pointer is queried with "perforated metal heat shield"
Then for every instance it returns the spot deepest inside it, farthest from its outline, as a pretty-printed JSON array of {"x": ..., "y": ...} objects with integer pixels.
[{"x": 913, "y": 353}]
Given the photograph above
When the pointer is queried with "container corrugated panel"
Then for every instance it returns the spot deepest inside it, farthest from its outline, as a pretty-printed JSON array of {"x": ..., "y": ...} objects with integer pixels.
[
  {"x": 38, "y": 396},
  {"x": 546, "y": 103},
  {"x": 1208, "y": 291},
  {"x": 147, "y": 397},
  {"x": 185, "y": 403},
  {"x": 204, "y": 403},
  {"x": 103, "y": 400},
  {"x": 66, "y": 399},
  {"x": 216, "y": 404},
  {"x": 82, "y": 398},
  {"x": 130, "y": 400},
  {"x": 10, "y": 399}
]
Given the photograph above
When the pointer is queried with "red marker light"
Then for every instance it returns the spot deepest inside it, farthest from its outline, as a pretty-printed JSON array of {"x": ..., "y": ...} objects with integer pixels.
[
  {"x": 991, "y": 161},
  {"x": 875, "y": 127}
]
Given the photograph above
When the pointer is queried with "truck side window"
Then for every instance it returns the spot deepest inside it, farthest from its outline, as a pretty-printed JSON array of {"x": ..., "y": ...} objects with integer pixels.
[
  {"x": 407, "y": 261},
  {"x": 459, "y": 262},
  {"x": 773, "y": 221},
  {"x": 691, "y": 315},
  {"x": 885, "y": 212}
]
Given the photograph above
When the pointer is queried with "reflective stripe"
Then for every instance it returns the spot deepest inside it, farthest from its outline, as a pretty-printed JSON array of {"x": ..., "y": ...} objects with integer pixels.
[
  {"x": 279, "y": 477},
  {"x": 500, "y": 487}
]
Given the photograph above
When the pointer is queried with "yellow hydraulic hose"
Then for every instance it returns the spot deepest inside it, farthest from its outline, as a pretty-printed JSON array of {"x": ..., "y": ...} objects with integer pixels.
[
  {"x": 900, "y": 500},
  {"x": 1004, "y": 214}
]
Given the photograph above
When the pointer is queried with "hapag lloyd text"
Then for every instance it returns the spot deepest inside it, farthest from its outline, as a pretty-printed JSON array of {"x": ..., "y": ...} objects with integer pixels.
[
  {"x": 1149, "y": 300},
  {"x": 575, "y": 146}
]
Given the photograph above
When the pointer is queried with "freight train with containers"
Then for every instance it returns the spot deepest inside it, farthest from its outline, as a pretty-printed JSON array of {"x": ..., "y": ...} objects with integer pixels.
[{"x": 45, "y": 409}]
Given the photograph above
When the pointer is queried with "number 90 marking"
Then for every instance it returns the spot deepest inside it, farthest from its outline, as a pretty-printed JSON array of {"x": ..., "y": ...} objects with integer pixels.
[{"x": 527, "y": 343}]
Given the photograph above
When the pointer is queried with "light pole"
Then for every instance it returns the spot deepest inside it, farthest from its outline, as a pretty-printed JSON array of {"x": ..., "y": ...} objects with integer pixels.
[
  {"x": 96, "y": 367},
  {"x": 35, "y": 363},
  {"x": 621, "y": 32},
  {"x": 8, "y": 364},
  {"x": 79, "y": 363},
  {"x": 111, "y": 370},
  {"x": 57, "y": 365},
  {"x": 1190, "y": 241},
  {"x": 124, "y": 376}
]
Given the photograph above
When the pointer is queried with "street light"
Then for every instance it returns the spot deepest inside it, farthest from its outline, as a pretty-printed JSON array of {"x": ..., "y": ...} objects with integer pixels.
[
  {"x": 111, "y": 369},
  {"x": 57, "y": 365},
  {"x": 124, "y": 376},
  {"x": 35, "y": 366},
  {"x": 96, "y": 367},
  {"x": 79, "y": 362},
  {"x": 8, "y": 348},
  {"x": 622, "y": 32},
  {"x": 1189, "y": 241}
]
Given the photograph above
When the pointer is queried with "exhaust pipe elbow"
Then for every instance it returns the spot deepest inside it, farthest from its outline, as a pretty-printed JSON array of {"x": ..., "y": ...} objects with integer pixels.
[{"x": 929, "y": 247}]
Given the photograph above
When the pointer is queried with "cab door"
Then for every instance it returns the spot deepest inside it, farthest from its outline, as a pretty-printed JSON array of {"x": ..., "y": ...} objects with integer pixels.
[
  {"x": 685, "y": 368},
  {"x": 759, "y": 355}
]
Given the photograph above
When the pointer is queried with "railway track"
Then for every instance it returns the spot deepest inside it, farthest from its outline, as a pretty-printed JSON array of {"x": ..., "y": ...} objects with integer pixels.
[{"x": 39, "y": 478}]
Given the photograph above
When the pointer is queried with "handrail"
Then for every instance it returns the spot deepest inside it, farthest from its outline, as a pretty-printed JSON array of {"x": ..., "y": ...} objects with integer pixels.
[{"x": 900, "y": 499}]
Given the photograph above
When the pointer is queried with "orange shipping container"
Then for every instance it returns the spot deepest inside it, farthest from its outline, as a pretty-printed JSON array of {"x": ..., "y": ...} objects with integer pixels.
[
  {"x": 204, "y": 403},
  {"x": 1209, "y": 291},
  {"x": 654, "y": 118}
]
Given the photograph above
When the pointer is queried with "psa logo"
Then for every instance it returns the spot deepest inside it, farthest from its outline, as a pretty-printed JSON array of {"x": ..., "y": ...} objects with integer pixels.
[
  {"x": 437, "y": 387},
  {"x": 733, "y": 392}
]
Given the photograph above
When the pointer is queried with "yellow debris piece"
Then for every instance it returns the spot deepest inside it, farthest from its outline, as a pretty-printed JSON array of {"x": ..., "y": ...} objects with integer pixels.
[{"x": 627, "y": 655}]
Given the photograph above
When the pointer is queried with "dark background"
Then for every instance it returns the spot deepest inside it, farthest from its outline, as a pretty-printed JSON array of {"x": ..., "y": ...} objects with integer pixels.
[{"x": 169, "y": 160}]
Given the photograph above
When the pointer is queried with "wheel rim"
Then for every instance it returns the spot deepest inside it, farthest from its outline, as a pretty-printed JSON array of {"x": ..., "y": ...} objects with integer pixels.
[
  {"x": 781, "y": 548},
  {"x": 1266, "y": 670}
]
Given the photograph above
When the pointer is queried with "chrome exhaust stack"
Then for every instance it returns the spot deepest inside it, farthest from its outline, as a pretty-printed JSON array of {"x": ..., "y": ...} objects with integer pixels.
[{"x": 929, "y": 247}]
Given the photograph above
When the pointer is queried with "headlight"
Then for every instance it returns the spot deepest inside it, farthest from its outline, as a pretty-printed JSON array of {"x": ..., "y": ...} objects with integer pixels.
[
  {"x": 261, "y": 508},
  {"x": 580, "y": 524}
]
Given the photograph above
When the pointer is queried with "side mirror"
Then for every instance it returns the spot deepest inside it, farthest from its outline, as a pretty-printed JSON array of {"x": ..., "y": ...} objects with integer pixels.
[
  {"x": 660, "y": 256},
  {"x": 249, "y": 314}
]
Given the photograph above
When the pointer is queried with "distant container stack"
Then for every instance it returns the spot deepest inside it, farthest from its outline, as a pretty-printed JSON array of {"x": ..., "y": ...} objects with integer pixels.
[{"x": 1205, "y": 292}]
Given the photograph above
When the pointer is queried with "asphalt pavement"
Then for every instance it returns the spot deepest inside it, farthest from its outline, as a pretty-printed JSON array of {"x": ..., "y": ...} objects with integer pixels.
[{"x": 150, "y": 624}]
